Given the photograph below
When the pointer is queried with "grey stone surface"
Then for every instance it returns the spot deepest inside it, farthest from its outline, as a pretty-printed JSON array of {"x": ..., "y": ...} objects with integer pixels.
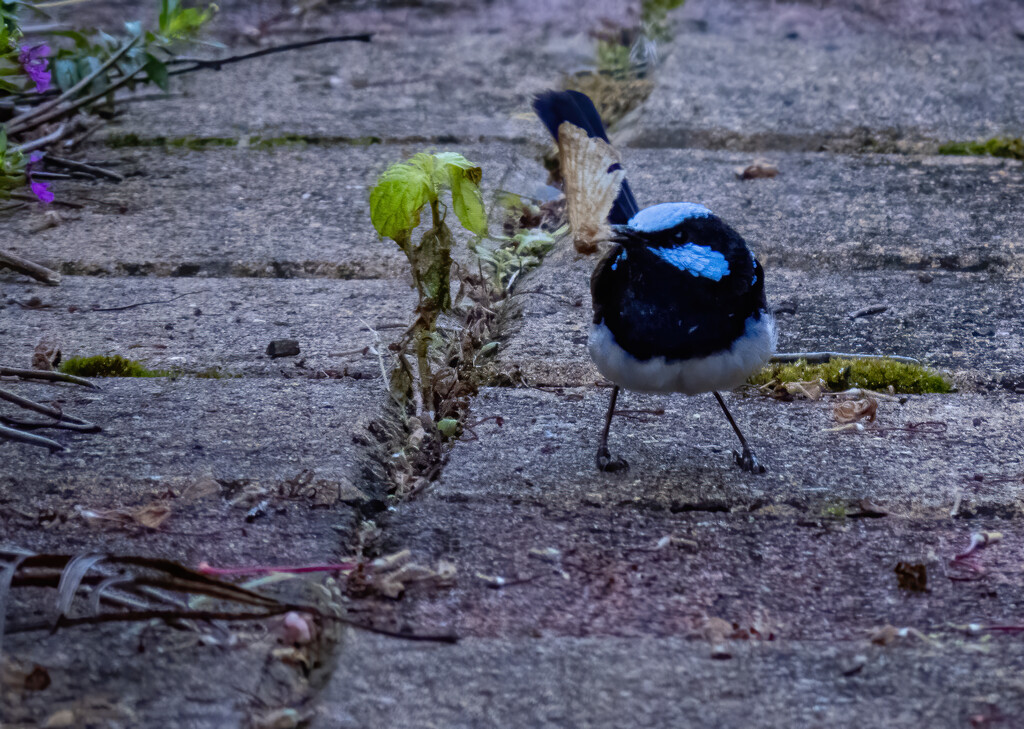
[
  {"x": 419, "y": 89},
  {"x": 967, "y": 324},
  {"x": 668, "y": 682},
  {"x": 588, "y": 571},
  {"x": 292, "y": 211},
  {"x": 681, "y": 459},
  {"x": 856, "y": 93},
  {"x": 841, "y": 213},
  {"x": 918, "y": 19},
  {"x": 224, "y": 324},
  {"x": 255, "y": 437}
]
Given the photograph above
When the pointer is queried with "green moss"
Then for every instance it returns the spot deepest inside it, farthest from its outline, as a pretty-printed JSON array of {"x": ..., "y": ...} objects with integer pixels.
[
  {"x": 872, "y": 374},
  {"x": 107, "y": 366},
  {"x": 834, "y": 511},
  {"x": 1010, "y": 147},
  {"x": 213, "y": 373}
]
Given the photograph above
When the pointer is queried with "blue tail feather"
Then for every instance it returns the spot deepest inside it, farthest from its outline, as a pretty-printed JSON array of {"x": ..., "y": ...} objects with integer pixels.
[{"x": 555, "y": 107}]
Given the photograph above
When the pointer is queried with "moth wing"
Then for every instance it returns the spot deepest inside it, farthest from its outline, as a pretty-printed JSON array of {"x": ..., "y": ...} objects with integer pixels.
[{"x": 592, "y": 173}]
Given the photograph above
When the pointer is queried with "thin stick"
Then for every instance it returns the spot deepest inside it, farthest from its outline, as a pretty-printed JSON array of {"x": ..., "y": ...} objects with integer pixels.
[
  {"x": 45, "y": 375},
  {"x": 822, "y": 357},
  {"x": 143, "y": 303},
  {"x": 13, "y": 125},
  {"x": 84, "y": 167},
  {"x": 216, "y": 64},
  {"x": 34, "y": 270},
  {"x": 57, "y": 113},
  {"x": 36, "y": 440},
  {"x": 43, "y": 141},
  {"x": 54, "y": 413},
  {"x": 33, "y": 199}
]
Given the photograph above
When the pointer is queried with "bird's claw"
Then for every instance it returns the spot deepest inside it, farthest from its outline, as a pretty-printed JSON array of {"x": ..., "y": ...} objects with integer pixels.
[
  {"x": 607, "y": 464},
  {"x": 747, "y": 462}
]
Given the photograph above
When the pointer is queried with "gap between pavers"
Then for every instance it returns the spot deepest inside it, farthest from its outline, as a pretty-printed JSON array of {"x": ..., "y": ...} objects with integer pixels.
[
  {"x": 604, "y": 683},
  {"x": 966, "y": 324},
  {"x": 858, "y": 93},
  {"x": 543, "y": 453},
  {"x": 224, "y": 324}
]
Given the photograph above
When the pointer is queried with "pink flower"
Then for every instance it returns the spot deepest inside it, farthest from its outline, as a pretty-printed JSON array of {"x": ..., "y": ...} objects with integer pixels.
[
  {"x": 33, "y": 60},
  {"x": 40, "y": 189}
]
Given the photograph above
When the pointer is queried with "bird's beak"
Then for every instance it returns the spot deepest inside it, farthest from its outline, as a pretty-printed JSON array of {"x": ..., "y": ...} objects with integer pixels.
[{"x": 622, "y": 234}]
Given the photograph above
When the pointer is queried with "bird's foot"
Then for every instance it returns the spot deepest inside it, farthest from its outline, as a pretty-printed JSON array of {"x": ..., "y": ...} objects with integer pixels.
[
  {"x": 607, "y": 464},
  {"x": 747, "y": 462}
]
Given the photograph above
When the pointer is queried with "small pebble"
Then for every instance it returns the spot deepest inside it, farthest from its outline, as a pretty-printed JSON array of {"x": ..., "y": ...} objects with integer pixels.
[{"x": 283, "y": 348}]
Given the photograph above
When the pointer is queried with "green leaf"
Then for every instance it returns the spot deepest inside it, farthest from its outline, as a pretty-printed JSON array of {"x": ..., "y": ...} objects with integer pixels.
[
  {"x": 463, "y": 177},
  {"x": 396, "y": 201},
  {"x": 9, "y": 87},
  {"x": 65, "y": 70},
  {"x": 448, "y": 427},
  {"x": 156, "y": 70}
]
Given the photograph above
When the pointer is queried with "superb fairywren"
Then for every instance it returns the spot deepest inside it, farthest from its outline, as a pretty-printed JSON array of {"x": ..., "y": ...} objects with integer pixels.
[{"x": 679, "y": 302}]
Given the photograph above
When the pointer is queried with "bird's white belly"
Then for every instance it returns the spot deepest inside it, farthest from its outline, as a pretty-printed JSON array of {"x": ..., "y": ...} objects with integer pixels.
[{"x": 720, "y": 371}]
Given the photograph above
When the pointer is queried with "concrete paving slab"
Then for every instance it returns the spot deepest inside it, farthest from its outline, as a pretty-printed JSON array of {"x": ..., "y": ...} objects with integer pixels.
[
  {"x": 255, "y": 438},
  {"x": 852, "y": 212},
  {"x": 201, "y": 324},
  {"x": 967, "y": 324},
  {"x": 1002, "y": 20},
  {"x": 543, "y": 453},
  {"x": 294, "y": 211},
  {"x": 869, "y": 93},
  {"x": 667, "y": 682},
  {"x": 588, "y": 571},
  {"x": 456, "y": 86}
]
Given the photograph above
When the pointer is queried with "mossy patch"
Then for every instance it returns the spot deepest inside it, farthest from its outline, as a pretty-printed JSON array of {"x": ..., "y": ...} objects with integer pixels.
[
  {"x": 107, "y": 366},
  {"x": 1010, "y": 147},
  {"x": 214, "y": 373},
  {"x": 871, "y": 374}
]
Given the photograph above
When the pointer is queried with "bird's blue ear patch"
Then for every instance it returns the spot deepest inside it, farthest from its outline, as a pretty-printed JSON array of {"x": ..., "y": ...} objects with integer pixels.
[
  {"x": 665, "y": 216},
  {"x": 695, "y": 260}
]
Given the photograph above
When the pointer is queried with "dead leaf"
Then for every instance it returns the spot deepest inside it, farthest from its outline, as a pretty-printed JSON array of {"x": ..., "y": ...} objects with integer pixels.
[
  {"x": 46, "y": 356},
  {"x": 151, "y": 516},
  {"x": 60, "y": 719},
  {"x": 913, "y": 577},
  {"x": 760, "y": 169},
  {"x": 809, "y": 389},
  {"x": 38, "y": 679},
  {"x": 852, "y": 411},
  {"x": 202, "y": 487},
  {"x": 870, "y": 510}
]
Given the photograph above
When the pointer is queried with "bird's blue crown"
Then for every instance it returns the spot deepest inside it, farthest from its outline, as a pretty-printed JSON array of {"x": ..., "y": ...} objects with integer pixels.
[{"x": 665, "y": 216}]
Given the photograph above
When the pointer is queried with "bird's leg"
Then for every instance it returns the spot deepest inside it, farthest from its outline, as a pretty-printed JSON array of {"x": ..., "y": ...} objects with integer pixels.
[
  {"x": 744, "y": 460},
  {"x": 604, "y": 460}
]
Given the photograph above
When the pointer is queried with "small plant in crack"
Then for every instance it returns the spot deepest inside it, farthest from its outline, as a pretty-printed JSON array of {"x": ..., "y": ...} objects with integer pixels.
[{"x": 396, "y": 205}]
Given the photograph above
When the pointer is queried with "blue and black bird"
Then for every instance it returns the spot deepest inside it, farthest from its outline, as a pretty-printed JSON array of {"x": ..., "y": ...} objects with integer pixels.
[{"x": 679, "y": 303}]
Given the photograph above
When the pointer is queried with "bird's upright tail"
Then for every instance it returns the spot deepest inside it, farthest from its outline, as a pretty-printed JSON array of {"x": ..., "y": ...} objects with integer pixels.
[{"x": 595, "y": 183}]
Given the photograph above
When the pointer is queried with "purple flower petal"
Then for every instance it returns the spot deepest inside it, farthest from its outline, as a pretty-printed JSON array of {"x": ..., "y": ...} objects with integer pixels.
[
  {"x": 34, "y": 62},
  {"x": 42, "y": 191}
]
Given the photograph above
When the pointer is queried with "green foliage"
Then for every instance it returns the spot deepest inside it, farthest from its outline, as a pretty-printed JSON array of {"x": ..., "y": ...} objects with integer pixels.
[
  {"x": 871, "y": 374},
  {"x": 1011, "y": 147},
  {"x": 107, "y": 366},
  {"x": 177, "y": 22},
  {"x": 397, "y": 202},
  {"x": 12, "y": 167},
  {"x": 516, "y": 255}
]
